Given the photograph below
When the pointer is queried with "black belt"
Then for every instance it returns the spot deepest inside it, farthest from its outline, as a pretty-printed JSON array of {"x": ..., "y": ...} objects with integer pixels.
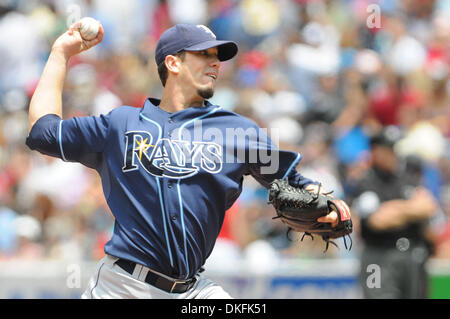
[{"x": 166, "y": 284}]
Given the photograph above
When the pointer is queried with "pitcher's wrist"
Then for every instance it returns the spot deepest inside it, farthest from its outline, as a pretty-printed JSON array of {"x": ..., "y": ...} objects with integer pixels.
[{"x": 60, "y": 52}]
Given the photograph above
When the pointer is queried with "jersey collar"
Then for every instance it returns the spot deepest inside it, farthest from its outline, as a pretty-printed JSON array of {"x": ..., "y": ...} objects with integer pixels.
[{"x": 151, "y": 105}]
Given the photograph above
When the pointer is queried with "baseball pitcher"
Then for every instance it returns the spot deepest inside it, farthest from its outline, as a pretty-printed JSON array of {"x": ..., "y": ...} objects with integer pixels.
[{"x": 167, "y": 186}]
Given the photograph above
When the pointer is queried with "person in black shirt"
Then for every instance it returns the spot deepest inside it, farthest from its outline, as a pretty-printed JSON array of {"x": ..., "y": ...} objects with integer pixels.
[{"x": 394, "y": 210}]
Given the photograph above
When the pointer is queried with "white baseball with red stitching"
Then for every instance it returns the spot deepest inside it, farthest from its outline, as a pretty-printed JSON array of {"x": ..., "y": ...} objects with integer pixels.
[{"x": 89, "y": 28}]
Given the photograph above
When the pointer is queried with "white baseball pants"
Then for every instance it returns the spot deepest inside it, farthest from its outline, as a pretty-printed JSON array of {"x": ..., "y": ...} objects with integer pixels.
[{"x": 112, "y": 282}]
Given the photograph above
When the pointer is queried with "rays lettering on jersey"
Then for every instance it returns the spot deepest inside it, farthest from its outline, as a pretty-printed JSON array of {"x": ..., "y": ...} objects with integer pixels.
[{"x": 170, "y": 158}]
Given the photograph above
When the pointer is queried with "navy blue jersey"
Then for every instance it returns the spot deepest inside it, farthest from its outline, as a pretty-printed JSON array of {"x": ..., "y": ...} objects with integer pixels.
[{"x": 168, "y": 178}]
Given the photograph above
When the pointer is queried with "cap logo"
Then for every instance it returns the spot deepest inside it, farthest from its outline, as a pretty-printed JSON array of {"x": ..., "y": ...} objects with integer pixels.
[{"x": 206, "y": 29}]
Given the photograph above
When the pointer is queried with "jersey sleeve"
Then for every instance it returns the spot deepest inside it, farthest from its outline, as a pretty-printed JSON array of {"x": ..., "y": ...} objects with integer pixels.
[
  {"x": 267, "y": 162},
  {"x": 79, "y": 139}
]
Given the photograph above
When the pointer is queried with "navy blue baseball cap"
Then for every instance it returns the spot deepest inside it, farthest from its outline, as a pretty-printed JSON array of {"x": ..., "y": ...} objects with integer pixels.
[{"x": 192, "y": 37}]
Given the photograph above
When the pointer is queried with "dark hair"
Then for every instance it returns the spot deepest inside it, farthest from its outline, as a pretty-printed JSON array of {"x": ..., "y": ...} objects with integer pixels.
[{"x": 162, "y": 70}]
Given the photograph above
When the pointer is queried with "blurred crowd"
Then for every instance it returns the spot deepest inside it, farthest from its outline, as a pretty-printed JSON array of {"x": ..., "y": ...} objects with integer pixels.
[{"x": 326, "y": 74}]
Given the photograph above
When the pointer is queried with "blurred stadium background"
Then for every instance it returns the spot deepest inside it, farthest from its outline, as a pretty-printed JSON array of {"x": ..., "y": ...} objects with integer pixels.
[{"x": 327, "y": 73}]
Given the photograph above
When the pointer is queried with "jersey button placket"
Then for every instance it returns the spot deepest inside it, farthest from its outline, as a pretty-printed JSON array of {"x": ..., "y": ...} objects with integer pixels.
[
  {"x": 169, "y": 135},
  {"x": 169, "y": 127}
]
